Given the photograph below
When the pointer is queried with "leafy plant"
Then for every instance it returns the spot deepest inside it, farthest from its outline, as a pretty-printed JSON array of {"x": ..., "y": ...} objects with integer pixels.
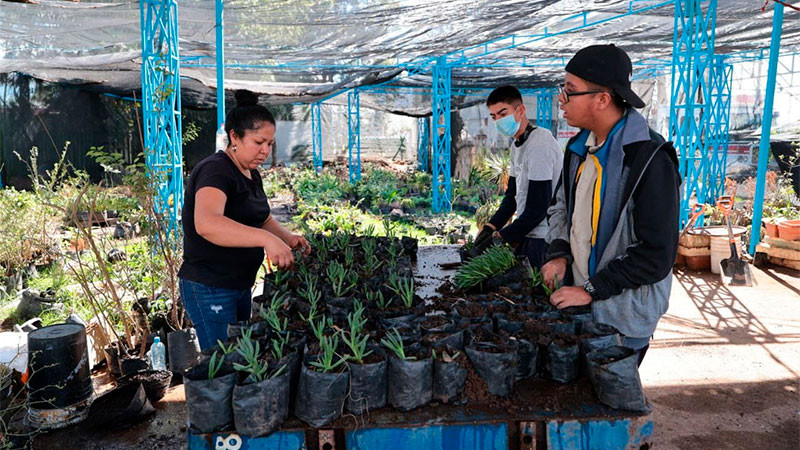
[
  {"x": 325, "y": 361},
  {"x": 318, "y": 328},
  {"x": 273, "y": 320},
  {"x": 226, "y": 349},
  {"x": 214, "y": 364},
  {"x": 278, "y": 344},
  {"x": 376, "y": 297},
  {"x": 556, "y": 286},
  {"x": 493, "y": 261},
  {"x": 394, "y": 342},
  {"x": 342, "y": 280},
  {"x": 404, "y": 288},
  {"x": 349, "y": 257},
  {"x": 356, "y": 340},
  {"x": 371, "y": 263}
]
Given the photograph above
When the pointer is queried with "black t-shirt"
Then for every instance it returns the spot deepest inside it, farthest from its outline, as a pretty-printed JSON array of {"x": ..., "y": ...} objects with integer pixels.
[{"x": 211, "y": 264}]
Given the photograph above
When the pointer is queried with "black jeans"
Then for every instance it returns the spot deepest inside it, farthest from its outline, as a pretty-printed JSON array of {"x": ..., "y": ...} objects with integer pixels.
[{"x": 534, "y": 249}]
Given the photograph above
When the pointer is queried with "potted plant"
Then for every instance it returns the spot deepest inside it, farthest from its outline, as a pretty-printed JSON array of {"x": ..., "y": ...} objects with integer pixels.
[
  {"x": 367, "y": 366},
  {"x": 323, "y": 385},
  {"x": 410, "y": 374}
]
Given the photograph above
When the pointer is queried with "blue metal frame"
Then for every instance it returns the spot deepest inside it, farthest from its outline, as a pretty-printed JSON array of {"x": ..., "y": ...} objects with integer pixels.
[
  {"x": 354, "y": 136},
  {"x": 766, "y": 126},
  {"x": 220, "y": 55},
  {"x": 161, "y": 107},
  {"x": 690, "y": 103},
  {"x": 316, "y": 135},
  {"x": 721, "y": 81},
  {"x": 423, "y": 143},
  {"x": 440, "y": 105},
  {"x": 544, "y": 110}
]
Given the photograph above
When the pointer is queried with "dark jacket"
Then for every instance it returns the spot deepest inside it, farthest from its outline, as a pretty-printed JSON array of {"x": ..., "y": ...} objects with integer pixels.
[{"x": 633, "y": 277}]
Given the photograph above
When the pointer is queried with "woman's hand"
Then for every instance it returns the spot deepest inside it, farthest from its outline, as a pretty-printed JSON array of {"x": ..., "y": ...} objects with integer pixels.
[
  {"x": 298, "y": 242},
  {"x": 278, "y": 252}
]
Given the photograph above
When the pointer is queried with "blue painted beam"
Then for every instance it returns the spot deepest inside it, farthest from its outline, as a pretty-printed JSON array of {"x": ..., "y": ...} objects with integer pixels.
[
  {"x": 423, "y": 143},
  {"x": 623, "y": 434},
  {"x": 766, "y": 126},
  {"x": 220, "y": 66},
  {"x": 354, "y": 137},
  {"x": 435, "y": 437},
  {"x": 316, "y": 135}
]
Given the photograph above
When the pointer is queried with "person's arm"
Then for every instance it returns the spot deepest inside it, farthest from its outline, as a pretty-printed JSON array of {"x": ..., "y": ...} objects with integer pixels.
[
  {"x": 212, "y": 225},
  {"x": 536, "y": 203},
  {"x": 292, "y": 240},
  {"x": 655, "y": 215},
  {"x": 507, "y": 206}
]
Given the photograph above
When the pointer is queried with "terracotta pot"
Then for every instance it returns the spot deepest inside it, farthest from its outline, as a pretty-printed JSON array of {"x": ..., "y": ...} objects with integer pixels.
[
  {"x": 771, "y": 226},
  {"x": 789, "y": 230}
]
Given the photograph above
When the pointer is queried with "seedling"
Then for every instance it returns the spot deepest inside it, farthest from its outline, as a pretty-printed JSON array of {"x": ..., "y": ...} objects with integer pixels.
[
  {"x": 446, "y": 357},
  {"x": 369, "y": 230},
  {"x": 325, "y": 362},
  {"x": 388, "y": 227},
  {"x": 356, "y": 340},
  {"x": 394, "y": 342},
  {"x": 248, "y": 348},
  {"x": 493, "y": 261},
  {"x": 536, "y": 276},
  {"x": 279, "y": 300},
  {"x": 273, "y": 320},
  {"x": 257, "y": 369},
  {"x": 556, "y": 286},
  {"x": 404, "y": 288},
  {"x": 226, "y": 349},
  {"x": 278, "y": 344},
  {"x": 349, "y": 257},
  {"x": 215, "y": 364},
  {"x": 369, "y": 246},
  {"x": 371, "y": 263},
  {"x": 394, "y": 250},
  {"x": 318, "y": 328},
  {"x": 341, "y": 279}
]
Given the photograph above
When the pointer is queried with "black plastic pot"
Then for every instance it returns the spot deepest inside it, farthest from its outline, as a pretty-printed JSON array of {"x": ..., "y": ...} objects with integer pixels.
[
  {"x": 410, "y": 382},
  {"x": 320, "y": 396},
  {"x": 259, "y": 328},
  {"x": 208, "y": 402},
  {"x": 184, "y": 350},
  {"x": 120, "y": 407},
  {"x": 448, "y": 377},
  {"x": 155, "y": 382},
  {"x": 497, "y": 368},
  {"x": 112, "y": 359},
  {"x": 367, "y": 385},
  {"x": 436, "y": 340},
  {"x": 132, "y": 365},
  {"x": 528, "y": 354},
  {"x": 59, "y": 366},
  {"x": 260, "y": 408},
  {"x": 562, "y": 361},
  {"x": 615, "y": 376}
]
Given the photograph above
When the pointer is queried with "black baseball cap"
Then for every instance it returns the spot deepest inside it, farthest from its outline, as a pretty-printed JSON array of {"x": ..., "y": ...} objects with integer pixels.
[{"x": 606, "y": 65}]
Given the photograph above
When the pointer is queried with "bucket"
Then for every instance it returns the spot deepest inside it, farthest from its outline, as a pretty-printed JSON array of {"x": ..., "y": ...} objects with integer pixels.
[
  {"x": 59, "y": 385},
  {"x": 721, "y": 249}
]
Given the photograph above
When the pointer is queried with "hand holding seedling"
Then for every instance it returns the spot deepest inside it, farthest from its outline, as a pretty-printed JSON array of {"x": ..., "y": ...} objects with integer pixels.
[
  {"x": 554, "y": 271},
  {"x": 570, "y": 296},
  {"x": 298, "y": 242}
]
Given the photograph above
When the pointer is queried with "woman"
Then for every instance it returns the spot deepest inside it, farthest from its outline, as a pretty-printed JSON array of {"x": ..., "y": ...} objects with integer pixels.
[{"x": 228, "y": 227}]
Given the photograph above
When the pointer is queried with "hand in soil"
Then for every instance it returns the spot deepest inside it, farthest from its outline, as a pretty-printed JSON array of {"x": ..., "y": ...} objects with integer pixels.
[
  {"x": 554, "y": 269},
  {"x": 570, "y": 296}
]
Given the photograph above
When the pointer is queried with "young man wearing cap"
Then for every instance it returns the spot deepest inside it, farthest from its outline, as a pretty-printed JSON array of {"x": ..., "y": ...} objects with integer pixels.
[
  {"x": 535, "y": 168},
  {"x": 614, "y": 219}
]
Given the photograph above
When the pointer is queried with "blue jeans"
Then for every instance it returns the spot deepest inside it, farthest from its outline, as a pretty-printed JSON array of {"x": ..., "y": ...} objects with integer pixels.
[{"x": 212, "y": 309}]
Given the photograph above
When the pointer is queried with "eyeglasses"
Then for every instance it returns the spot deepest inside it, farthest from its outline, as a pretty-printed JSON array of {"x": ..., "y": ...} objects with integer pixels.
[{"x": 564, "y": 96}]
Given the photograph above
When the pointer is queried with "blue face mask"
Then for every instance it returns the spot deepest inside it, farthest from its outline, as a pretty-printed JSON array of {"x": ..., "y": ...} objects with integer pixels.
[{"x": 507, "y": 126}]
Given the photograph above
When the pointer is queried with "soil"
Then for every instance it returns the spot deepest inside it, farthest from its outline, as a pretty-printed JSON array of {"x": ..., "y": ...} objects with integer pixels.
[
  {"x": 471, "y": 309},
  {"x": 436, "y": 321},
  {"x": 373, "y": 358},
  {"x": 565, "y": 340}
]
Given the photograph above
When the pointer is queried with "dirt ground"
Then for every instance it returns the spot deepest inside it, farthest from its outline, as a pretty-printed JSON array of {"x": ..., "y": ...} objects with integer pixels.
[{"x": 721, "y": 373}]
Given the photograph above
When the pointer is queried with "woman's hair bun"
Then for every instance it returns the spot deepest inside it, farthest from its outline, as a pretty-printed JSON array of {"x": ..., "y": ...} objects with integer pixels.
[{"x": 245, "y": 98}]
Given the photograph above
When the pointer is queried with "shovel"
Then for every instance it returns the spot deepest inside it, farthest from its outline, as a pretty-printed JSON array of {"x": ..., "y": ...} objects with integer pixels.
[
  {"x": 734, "y": 268},
  {"x": 697, "y": 211}
]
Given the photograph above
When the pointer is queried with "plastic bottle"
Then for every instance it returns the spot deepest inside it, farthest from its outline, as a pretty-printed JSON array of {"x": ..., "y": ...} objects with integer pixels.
[{"x": 158, "y": 357}]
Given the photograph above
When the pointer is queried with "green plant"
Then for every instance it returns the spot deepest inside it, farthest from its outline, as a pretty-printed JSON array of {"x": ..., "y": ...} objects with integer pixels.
[
  {"x": 556, "y": 286},
  {"x": 214, "y": 364},
  {"x": 493, "y": 261},
  {"x": 349, "y": 257},
  {"x": 376, "y": 298},
  {"x": 273, "y": 320},
  {"x": 325, "y": 361},
  {"x": 342, "y": 280},
  {"x": 388, "y": 227},
  {"x": 355, "y": 340},
  {"x": 404, "y": 288},
  {"x": 318, "y": 328},
  {"x": 226, "y": 349},
  {"x": 371, "y": 263},
  {"x": 278, "y": 344},
  {"x": 446, "y": 357},
  {"x": 394, "y": 342}
]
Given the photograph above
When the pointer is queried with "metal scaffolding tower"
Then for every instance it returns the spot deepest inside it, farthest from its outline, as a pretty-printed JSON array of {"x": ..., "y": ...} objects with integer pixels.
[
  {"x": 354, "y": 137},
  {"x": 316, "y": 135},
  {"x": 161, "y": 107},
  {"x": 440, "y": 105},
  {"x": 423, "y": 143},
  {"x": 721, "y": 80},
  {"x": 690, "y": 105}
]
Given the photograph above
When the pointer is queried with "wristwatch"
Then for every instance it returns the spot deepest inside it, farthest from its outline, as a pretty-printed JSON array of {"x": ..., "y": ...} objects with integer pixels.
[{"x": 589, "y": 288}]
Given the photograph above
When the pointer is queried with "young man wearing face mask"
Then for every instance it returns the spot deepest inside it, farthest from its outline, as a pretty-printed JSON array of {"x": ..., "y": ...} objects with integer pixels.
[
  {"x": 614, "y": 220},
  {"x": 535, "y": 167}
]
